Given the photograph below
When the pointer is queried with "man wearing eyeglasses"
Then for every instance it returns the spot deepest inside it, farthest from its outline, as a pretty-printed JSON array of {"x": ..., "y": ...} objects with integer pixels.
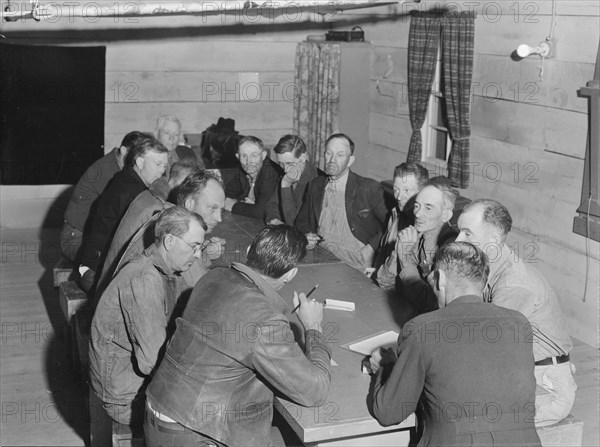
[
  {"x": 409, "y": 264},
  {"x": 285, "y": 204},
  {"x": 254, "y": 182},
  {"x": 131, "y": 322}
]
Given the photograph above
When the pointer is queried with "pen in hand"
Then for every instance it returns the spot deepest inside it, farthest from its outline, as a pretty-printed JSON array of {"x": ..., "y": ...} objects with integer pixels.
[{"x": 307, "y": 295}]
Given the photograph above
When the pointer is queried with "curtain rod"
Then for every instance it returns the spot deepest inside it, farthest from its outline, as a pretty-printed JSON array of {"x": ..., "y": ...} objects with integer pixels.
[{"x": 37, "y": 10}]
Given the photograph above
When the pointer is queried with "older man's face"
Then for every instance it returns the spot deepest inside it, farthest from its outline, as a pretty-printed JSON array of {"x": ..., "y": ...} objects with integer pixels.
[
  {"x": 168, "y": 135},
  {"x": 429, "y": 210},
  {"x": 209, "y": 204},
  {"x": 473, "y": 229},
  {"x": 186, "y": 248},
  {"x": 405, "y": 187},
  {"x": 292, "y": 166},
  {"x": 251, "y": 158},
  {"x": 151, "y": 166},
  {"x": 338, "y": 157}
]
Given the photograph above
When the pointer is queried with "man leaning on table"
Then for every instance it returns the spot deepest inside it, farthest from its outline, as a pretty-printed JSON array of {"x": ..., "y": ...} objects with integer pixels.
[
  {"x": 516, "y": 284},
  {"x": 467, "y": 367},
  {"x": 284, "y": 205},
  {"x": 254, "y": 181},
  {"x": 233, "y": 349},
  {"x": 409, "y": 264},
  {"x": 344, "y": 209},
  {"x": 130, "y": 325}
]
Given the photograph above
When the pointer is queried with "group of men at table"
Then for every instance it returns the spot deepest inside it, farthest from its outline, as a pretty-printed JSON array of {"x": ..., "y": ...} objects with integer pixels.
[{"x": 195, "y": 354}]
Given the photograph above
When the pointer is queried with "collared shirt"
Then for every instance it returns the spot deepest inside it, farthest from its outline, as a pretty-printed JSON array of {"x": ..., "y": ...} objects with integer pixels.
[
  {"x": 334, "y": 227},
  {"x": 89, "y": 187},
  {"x": 129, "y": 326},
  {"x": 515, "y": 284}
]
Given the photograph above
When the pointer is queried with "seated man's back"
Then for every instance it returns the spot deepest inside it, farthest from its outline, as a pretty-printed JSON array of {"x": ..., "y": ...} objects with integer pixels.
[{"x": 469, "y": 364}]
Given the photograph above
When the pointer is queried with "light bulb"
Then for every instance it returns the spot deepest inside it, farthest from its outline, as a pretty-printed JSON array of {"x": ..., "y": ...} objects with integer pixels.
[{"x": 525, "y": 50}]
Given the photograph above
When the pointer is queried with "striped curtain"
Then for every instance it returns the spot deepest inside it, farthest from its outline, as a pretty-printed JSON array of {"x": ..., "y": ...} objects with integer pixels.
[
  {"x": 316, "y": 98},
  {"x": 423, "y": 41},
  {"x": 458, "y": 37}
]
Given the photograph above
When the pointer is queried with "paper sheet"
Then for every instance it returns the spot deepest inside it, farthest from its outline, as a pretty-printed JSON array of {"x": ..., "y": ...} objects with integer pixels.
[
  {"x": 339, "y": 305},
  {"x": 367, "y": 345}
]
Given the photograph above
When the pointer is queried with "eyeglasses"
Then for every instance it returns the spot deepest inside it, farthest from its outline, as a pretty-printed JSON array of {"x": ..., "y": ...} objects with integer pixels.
[{"x": 197, "y": 248}]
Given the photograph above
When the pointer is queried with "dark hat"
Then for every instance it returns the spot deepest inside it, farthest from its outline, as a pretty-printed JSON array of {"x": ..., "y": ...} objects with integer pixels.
[{"x": 225, "y": 125}]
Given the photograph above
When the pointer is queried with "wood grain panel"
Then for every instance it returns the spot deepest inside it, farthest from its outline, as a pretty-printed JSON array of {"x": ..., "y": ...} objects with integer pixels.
[
  {"x": 530, "y": 125},
  {"x": 498, "y": 77},
  {"x": 383, "y": 161},
  {"x": 200, "y": 56},
  {"x": 390, "y": 61},
  {"x": 204, "y": 86},
  {"x": 389, "y": 98},
  {"x": 194, "y": 116},
  {"x": 388, "y": 131},
  {"x": 532, "y": 171},
  {"x": 503, "y": 36}
]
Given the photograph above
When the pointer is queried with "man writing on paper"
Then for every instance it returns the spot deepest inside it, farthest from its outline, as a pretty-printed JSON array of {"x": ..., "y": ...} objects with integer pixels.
[
  {"x": 233, "y": 349},
  {"x": 468, "y": 365}
]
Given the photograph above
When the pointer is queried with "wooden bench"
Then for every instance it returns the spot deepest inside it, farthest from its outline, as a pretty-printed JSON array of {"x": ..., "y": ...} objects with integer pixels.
[
  {"x": 566, "y": 433},
  {"x": 62, "y": 271},
  {"x": 122, "y": 436},
  {"x": 82, "y": 339},
  {"x": 71, "y": 299}
]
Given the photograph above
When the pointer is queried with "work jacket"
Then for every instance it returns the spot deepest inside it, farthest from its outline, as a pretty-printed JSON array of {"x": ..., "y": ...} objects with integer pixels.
[{"x": 232, "y": 349}]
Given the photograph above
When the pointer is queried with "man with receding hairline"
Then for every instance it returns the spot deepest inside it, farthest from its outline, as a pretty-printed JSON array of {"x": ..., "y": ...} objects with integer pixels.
[
  {"x": 344, "y": 210},
  {"x": 130, "y": 324},
  {"x": 409, "y": 264},
  {"x": 215, "y": 387},
  {"x": 142, "y": 208},
  {"x": 516, "y": 284},
  {"x": 467, "y": 367}
]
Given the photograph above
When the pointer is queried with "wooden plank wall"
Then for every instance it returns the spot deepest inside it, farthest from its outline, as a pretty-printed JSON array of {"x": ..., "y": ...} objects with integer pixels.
[
  {"x": 528, "y": 136},
  {"x": 197, "y": 68}
]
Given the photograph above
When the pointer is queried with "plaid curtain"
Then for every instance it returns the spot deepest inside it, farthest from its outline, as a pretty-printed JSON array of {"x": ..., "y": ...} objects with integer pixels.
[
  {"x": 458, "y": 36},
  {"x": 316, "y": 98},
  {"x": 423, "y": 40}
]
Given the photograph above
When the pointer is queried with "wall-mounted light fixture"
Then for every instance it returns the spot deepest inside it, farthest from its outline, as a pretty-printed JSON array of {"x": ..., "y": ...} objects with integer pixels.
[{"x": 543, "y": 49}]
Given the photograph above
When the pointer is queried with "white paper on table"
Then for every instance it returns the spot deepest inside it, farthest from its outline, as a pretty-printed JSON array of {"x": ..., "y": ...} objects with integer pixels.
[
  {"x": 364, "y": 346},
  {"x": 339, "y": 305}
]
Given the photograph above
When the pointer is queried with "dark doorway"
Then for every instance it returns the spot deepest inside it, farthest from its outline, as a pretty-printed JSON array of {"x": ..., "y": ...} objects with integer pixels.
[{"x": 52, "y": 112}]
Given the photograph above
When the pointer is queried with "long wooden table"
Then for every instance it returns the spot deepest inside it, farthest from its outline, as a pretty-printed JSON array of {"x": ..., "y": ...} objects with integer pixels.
[
  {"x": 344, "y": 419},
  {"x": 239, "y": 231}
]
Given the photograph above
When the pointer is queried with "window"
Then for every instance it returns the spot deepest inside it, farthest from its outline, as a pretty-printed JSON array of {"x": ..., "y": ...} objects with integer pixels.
[{"x": 436, "y": 136}]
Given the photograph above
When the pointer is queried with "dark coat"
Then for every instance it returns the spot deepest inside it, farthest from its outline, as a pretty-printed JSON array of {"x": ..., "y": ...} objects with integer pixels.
[
  {"x": 266, "y": 183},
  {"x": 285, "y": 204},
  {"x": 365, "y": 207},
  {"x": 106, "y": 214},
  {"x": 470, "y": 367}
]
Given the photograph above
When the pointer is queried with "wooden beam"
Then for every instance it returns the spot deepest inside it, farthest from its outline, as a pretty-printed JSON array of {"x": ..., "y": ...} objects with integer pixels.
[{"x": 49, "y": 10}]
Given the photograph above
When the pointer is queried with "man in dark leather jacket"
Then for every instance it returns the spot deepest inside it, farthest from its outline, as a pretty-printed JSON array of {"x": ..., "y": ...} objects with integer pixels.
[{"x": 233, "y": 349}]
